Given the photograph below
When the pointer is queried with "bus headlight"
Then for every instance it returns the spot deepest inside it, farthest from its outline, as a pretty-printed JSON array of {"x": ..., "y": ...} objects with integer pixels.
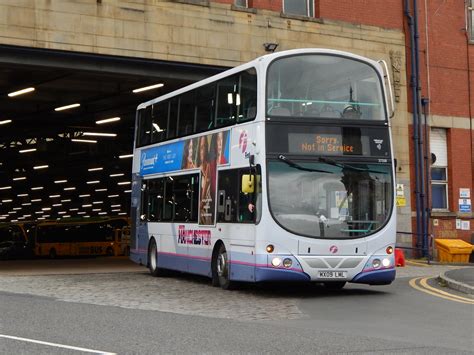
[
  {"x": 287, "y": 262},
  {"x": 376, "y": 263},
  {"x": 276, "y": 262},
  {"x": 386, "y": 262}
]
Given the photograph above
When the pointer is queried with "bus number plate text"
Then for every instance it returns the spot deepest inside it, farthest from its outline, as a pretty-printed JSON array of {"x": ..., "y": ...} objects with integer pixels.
[{"x": 332, "y": 274}]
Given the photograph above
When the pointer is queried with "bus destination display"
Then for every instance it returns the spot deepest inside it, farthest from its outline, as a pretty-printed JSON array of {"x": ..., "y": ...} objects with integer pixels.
[
  {"x": 318, "y": 143},
  {"x": 337, "y": 141}
]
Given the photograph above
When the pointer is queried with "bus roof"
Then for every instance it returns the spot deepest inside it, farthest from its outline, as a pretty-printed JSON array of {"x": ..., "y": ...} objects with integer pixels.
[{"x": 265, "y": 60}]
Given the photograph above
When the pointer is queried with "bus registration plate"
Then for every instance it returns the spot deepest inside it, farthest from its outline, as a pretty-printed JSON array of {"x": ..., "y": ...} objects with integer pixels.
[{"x": 332, "y": 274}]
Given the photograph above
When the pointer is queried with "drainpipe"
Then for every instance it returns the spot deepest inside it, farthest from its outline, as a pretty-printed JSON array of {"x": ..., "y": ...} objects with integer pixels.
[
  {"x": 421, "y": 157},
  {"x": 414, "y": 86},
  {"x": 427, "y": 159}
]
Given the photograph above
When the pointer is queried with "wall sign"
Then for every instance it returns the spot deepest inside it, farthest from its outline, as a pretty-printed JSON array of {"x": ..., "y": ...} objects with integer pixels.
[
  {"x": 464, "y": 193},
  {"x": 465, "y": 205}
]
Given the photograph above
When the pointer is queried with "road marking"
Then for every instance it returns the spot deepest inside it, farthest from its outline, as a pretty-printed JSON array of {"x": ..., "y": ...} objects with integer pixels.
[
  {"x": 425, "y": 285},
  {"x": 436, "y": 292},
  {"x": 56, "y": 345},
  {"x": 411, "y": 262}
]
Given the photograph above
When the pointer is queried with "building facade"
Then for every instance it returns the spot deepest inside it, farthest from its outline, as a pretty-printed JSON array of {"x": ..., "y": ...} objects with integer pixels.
[{"x": 230, "y": 32}]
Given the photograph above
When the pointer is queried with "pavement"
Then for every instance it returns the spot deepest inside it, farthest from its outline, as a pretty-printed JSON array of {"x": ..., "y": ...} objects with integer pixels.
[{"x": 459, "y": 279}]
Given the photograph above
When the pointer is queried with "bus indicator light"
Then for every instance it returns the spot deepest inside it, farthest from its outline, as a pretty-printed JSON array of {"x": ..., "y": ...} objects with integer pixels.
[
  {"x": 270, "y": 248},
  {"x": 389, "y": 250}
]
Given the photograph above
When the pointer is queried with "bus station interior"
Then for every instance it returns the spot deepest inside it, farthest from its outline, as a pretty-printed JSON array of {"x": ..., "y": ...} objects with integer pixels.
[{"x": 71, "y": 165}]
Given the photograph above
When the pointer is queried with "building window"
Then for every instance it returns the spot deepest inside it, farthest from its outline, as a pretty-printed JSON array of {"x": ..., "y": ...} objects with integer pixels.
[
  {"x": 439, "y": 169},
  {"x": 299, "y": 7},
  {"x": 241, "y": 3},
  {"x": 470, "y": 18}
]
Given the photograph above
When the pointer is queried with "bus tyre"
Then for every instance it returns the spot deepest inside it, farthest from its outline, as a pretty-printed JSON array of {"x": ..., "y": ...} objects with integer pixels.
[
  {"x": 336, "y": 285},
  {"x": 52, "y": 253},
  {"x": 220, "y": 272},
  {"x": 153, "y": 260}
]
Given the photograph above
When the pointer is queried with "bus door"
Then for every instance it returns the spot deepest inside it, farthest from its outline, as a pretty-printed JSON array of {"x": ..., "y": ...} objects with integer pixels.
[{"x": 238, "y": 208}]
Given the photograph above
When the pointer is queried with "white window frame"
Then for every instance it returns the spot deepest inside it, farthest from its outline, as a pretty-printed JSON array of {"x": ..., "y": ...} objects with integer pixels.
[
  {"x": 443, "y": 183},
  {"x": 308, "y": 9},
  {"x": 470, "y": 19},
  {"x": 441, "y": 163}
]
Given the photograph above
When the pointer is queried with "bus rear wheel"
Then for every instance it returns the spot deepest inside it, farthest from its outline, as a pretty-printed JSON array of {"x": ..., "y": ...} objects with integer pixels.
[
  {"x": 220, "y": 272},
  {"x": 336, "y": 285},
  {"x": 153, "y": 260}
]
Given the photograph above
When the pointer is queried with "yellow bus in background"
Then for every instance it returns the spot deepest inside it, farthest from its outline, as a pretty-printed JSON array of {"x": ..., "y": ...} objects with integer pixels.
[{"x": 85, "y": 238}]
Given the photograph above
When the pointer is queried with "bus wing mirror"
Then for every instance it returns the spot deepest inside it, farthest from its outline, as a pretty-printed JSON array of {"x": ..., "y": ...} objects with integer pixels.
[{"x": 248, "y": 185}]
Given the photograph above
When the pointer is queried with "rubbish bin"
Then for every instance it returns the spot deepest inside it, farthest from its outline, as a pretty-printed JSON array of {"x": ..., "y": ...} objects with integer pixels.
[{"x": 453, "y": 250}]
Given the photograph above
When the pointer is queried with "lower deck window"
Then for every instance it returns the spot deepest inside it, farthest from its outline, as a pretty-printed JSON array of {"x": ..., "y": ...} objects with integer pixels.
[{"x": 171, "y": 199}]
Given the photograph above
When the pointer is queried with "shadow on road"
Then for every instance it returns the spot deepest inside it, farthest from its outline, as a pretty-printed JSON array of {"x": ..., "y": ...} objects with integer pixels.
[{"x": 300, "y": 290}]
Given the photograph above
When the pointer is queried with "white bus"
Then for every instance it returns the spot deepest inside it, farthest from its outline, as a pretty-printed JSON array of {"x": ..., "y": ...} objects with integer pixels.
[{"x": 280, "y": 169}]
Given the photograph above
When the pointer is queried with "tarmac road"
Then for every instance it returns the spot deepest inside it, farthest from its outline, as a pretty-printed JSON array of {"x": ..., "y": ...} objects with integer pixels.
[{"x": 184, "y": 314}]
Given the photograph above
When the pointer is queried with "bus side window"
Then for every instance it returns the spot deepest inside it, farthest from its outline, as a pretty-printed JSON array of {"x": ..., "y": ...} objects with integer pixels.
[
  {"x": 186, "y": 114},
  {"x": 182, "y": 193},
  {"x": 173, "y": 118},
  {"x": 159, "y": 123},
  {"x": 205, "y": 102},
  {"x": 228, "y": 101},
  {"x": 228, "y": 195},
  {"x": 248, "y": 95},
  {"x": 155, "y": 200},
  {"x": 144, "y": 126},
  {"x": 169, "y": 200}
]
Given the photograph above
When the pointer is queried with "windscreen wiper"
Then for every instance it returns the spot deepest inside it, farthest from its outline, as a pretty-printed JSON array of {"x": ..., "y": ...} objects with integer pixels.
[
  {"x": 299, "y": 167},
  {"x": 348, "y": 166}
]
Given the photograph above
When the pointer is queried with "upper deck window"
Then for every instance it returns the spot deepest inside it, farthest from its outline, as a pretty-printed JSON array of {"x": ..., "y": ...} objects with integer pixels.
[
  {"x": 228, "y": 101},
  {"x": 325, "y": 87}
]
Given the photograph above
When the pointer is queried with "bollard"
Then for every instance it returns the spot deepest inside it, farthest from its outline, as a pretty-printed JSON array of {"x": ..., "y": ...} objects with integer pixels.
[{"x": 399, "y": 257}]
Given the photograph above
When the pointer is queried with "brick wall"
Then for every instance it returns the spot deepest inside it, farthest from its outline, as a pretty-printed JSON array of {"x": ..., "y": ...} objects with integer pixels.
[
  {"x": 385, "y": 14},
  {"x": 447, "y": 56}
]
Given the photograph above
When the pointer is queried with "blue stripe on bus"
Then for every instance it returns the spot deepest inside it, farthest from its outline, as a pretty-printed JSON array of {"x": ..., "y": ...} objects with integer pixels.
[
  {"x": 378, "y": 277},
  {"x": 272, "y": 274}
]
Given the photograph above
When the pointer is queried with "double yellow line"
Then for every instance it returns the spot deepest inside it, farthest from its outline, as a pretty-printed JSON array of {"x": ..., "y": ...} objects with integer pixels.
[{"x": 421, "y": 284}]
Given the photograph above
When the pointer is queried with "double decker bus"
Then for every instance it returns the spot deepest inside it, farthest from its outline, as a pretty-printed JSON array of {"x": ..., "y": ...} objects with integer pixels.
[{"x": 280, "y": 169}]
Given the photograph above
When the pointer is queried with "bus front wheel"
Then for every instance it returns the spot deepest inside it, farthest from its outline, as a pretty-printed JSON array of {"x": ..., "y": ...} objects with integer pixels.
[
  {"x": 153, "y": 260},
  {"x": 220, "y": 272}
]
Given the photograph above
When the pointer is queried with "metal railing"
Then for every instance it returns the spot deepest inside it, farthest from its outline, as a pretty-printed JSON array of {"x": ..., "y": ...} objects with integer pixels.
[{"x": 420, "y": 250}]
